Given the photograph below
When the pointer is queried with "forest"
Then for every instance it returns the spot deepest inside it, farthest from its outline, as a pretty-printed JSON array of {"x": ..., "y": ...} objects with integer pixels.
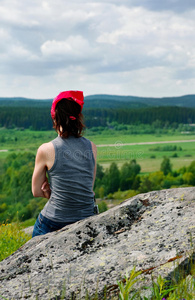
[
  {"x": 38, "y": 118},
  {"x": 18, "y": 203}
]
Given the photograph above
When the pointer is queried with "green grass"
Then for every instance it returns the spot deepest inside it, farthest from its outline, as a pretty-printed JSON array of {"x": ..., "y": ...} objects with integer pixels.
[
  {"x": 143, "y": 154},
  {"x": 17, "y": 140},
  {"x": 161, "y": 288},
  {"x": 11, "y": 238},
  {"x": 115, "y": 137},
  {"x": 27, "y": 223},
  {"x": 27, "y": 140}
]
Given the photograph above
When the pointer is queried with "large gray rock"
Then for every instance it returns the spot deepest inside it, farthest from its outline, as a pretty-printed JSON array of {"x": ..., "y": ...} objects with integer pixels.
[{"x": 153, "y": 231}]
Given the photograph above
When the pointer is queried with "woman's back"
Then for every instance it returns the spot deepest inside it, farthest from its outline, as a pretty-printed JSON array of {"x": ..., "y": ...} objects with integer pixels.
[{"x": 71, "y": 180}]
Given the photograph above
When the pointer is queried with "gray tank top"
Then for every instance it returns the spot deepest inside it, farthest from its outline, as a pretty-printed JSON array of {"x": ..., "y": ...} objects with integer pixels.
[{"x": 71, "y": 181}]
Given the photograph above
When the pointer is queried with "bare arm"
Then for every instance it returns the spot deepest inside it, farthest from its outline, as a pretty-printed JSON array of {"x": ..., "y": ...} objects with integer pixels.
[{"x": 40, "y": 185}]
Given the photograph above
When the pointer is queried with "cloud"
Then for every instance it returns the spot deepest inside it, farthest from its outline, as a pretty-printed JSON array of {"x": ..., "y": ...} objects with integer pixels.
[
  {"x": 147, "y": 38},
  {"x": 185, "y": 73},
  {"x": 178, "y": 6},
  {"x": 74, "y": 48},
  {"x": 103, "y": 46}
]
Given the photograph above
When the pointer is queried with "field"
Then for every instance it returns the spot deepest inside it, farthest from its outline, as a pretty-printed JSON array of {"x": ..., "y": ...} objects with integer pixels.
[
  {"x": 146, "y": 155},
  {"x": 112, "y": 147}
]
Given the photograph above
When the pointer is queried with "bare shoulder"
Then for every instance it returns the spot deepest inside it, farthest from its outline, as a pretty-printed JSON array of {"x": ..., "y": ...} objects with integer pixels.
[
  {"x": 44, "y": 148},
  {"x": 46, "y": 152}
]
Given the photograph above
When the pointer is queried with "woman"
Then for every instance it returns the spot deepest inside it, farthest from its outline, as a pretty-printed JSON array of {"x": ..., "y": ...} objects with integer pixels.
[{"x": 70, "y": 162}]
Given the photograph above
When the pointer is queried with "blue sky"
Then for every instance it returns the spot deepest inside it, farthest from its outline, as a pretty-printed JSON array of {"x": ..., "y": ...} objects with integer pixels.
[{"x": 126, "y": 47}]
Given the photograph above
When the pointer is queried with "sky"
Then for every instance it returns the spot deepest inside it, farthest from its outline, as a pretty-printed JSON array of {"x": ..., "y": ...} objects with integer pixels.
[{"x": 119, "y": 47}]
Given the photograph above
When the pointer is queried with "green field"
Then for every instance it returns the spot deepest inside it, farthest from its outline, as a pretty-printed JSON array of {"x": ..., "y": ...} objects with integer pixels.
[
  {"x": 149, "y": 159},
  {"x": 117, "y": 138},
  {"x": 146, "y": 155}
]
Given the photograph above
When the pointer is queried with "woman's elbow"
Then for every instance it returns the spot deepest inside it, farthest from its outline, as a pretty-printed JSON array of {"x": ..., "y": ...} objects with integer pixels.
[{"x": 35, "y": 192}]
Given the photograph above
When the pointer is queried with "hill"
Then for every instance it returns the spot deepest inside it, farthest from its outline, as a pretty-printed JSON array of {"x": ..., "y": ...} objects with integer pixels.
[
  {"x": 24, "y": 102},
  {"x": 182, "y": 101},
  {"x": 108, "y": 101}
]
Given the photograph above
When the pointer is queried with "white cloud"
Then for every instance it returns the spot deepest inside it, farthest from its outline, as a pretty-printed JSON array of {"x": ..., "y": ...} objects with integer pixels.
[
  {"x": 152, "y": 38},
  {"x": 73, "y": 46},
  {"x": 123, "y": 47}
]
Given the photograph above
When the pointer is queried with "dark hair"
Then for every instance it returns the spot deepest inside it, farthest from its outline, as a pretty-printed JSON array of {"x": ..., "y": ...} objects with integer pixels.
[{"x": 63, "y": 123}]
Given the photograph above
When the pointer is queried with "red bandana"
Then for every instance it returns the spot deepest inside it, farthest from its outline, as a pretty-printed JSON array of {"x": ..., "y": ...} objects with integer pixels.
[{"x": 76, "y": 96}]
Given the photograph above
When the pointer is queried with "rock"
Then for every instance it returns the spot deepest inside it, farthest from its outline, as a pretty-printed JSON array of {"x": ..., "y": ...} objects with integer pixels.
[{"x": 153, "y": 231}]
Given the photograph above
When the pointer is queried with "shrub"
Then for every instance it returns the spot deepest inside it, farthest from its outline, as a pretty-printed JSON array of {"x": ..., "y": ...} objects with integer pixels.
[{"x": 102, "y": 206}]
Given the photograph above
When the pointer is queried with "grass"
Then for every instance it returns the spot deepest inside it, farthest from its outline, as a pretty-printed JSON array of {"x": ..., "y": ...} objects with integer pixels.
[
  {"x": 27, "y": 223},
  {"x": 12, "y": 138},
  {"x": 161, "y": 288},
  {"x": 11, "y": 238},
  {"x": 117, "y": 137},
  {"x": 20, "y": 140},
  {"x": 149, "y": 160},
  {"x": 143, "y": 155}
]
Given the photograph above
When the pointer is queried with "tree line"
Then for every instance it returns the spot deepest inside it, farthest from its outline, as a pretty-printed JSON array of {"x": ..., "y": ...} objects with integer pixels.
[
  {"x": 38, "y": 118},
  {"x": 26, "y": 117},
  {"x": 147, "y": 115},
  {"x": 17, "y": 201}
]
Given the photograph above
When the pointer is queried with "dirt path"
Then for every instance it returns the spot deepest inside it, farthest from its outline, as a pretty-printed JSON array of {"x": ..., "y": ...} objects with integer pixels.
[{"x": 119, "y": 144}]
